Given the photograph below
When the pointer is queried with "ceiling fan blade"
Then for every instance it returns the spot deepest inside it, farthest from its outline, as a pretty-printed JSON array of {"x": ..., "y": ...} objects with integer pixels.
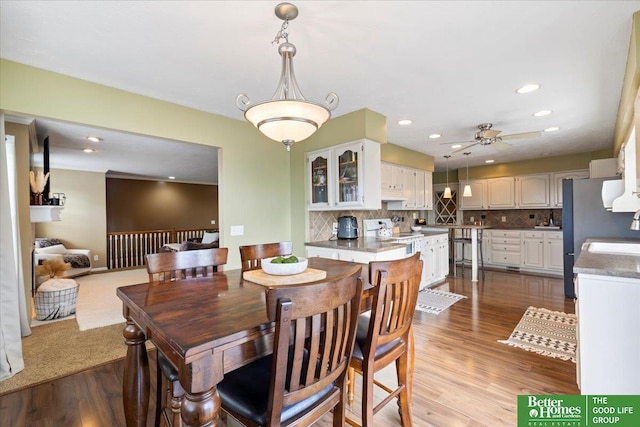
[
  {"x": 499, "y": 145},
  {"x": 489, "y": 133},
  {"x": 453, "y": 143},
  {"x": 464, "y": 148},
  {"x": 535, "y": 134}
]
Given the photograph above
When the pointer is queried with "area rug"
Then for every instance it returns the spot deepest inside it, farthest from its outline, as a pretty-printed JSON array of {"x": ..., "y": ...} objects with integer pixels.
[
  {"x": 60, "y": 349},
  {"x": 98, "y": 305},
  {"x": 546, "y": 332},
  {"x": 435, "y": 302}
]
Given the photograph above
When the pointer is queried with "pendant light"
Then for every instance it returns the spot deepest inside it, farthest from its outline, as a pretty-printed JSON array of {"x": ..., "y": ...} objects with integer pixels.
[
  {"x": 447, "y": 189},
  {"x": 467, "y": 187},
  {"x": 287, "y": 117}
]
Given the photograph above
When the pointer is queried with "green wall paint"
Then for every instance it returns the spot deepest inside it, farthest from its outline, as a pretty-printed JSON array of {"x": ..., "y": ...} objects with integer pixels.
[
  {"x": 402, "y": 156},
  {"x": 254, "y": 171}
]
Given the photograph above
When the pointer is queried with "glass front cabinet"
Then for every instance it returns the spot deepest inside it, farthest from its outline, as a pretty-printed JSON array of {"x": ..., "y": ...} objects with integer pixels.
[{"x": 345, "y": 176}]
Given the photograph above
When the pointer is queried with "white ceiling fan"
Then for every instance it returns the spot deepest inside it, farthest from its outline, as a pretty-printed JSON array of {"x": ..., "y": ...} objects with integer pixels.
[{"x": 487, "y": 136}]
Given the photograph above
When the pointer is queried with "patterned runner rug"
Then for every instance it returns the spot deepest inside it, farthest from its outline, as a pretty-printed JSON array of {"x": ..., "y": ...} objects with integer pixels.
[
  {"x": 550, "y": 333},
  {"x": 435, "y": 302}
]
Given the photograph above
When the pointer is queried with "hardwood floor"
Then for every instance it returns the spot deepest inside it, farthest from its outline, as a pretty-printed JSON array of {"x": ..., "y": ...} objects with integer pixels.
[{"x": 463, "y": 376}]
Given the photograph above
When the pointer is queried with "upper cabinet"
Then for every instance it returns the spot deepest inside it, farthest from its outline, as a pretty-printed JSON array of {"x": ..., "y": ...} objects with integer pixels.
[
  {"x": 392, "y": 181},
  {"x": 532, "y": 191},
  {"x": 345, "y": 176},
  {"x": 417, "y": 191},
  {"x": 556, "y": 184},
  {"x": 478, "y": 199},
  {"x": 500, "y": 193}
]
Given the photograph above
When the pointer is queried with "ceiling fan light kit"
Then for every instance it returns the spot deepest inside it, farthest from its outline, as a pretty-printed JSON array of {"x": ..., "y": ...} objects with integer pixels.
[
  {"x": 287, "y": 117},
  {"x": 488, "y": 136}
]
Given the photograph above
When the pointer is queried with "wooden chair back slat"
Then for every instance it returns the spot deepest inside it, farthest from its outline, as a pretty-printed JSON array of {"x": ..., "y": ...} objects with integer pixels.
[
  {"x": 252, "y": 255},
  {"x": 394, "y": 302},
  {"x": 169, "y": 266}
]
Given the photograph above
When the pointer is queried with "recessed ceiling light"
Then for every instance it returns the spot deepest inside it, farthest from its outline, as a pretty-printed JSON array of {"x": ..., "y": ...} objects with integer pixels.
[
  {"x": 435, "y": 136},
  {"x": 489, "y": 161},
  {"x": 456, "y": 146},
  {"x": 542, "y": 113},
  {"x": 94, "y": 139},
  {"x": 172, "y": 177},
  {"x": 404, "y": 122},
  {"x": 88, "y": 150},
  {"x": 528, "y": 88},
  {"x": 552, "y": 129}
]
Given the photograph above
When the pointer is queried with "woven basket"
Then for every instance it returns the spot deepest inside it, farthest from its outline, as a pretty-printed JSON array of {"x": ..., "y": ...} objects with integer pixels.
[{"x": 56, "y": 298}]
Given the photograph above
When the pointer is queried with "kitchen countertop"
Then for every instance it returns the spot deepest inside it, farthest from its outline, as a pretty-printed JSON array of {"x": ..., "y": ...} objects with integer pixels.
[
  {"x": 489, "y": 227},
  {"x": 602, "y": 264},
  {"x": 369, "y": 244}
]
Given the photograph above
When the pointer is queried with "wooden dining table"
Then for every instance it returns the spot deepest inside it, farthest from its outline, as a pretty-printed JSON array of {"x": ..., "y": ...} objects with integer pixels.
[{"x": 205, "y": 326}]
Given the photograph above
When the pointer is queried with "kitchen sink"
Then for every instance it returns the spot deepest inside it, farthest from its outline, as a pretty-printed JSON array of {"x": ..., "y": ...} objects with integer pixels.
[{"x": 619, "y": 248}]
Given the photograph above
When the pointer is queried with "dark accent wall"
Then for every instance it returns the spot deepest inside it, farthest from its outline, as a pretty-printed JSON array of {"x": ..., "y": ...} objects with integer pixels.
[{"x": 137, "y": 205}]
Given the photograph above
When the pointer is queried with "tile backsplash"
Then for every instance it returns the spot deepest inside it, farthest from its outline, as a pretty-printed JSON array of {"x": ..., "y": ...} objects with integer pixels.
[
  {"x": 321, "y": 222},
  {"x": 514, "y": 218}
]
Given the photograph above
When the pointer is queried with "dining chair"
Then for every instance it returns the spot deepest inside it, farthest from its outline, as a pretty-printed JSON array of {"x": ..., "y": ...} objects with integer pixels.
[
  {"x": 305, "y": 376},
  {"x": 170, "y": 267},
  {"x": 252, "y": 255},
  {"x": 384, "y": 333}
]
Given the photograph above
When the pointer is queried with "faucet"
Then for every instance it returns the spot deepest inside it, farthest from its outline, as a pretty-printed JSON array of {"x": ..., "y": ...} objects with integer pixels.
[{"x": 635, "y": 223}]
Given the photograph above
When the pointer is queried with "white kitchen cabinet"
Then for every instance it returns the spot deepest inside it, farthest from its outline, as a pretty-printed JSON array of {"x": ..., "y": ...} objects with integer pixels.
[
  {"x": 478, "y": 199},
  {"x": 553, "y": 251},
  {"x": 533, "y": 253},
  {"x": 352, "y": 177},
  {"x": 418, "y": 192},
  {"x": 532, "y": 191},
  {"x": 505, "y": 247},
  {"x": 435, "y": 255},
  {"x": 501, "y": 193},
  {"x": 320, "y": 178},
  {"x": 608, "y": 324},
  {"x": 362, "y": 257},
  {"x": 392, "y": 181},
  {"x": 556, "y": 184}
]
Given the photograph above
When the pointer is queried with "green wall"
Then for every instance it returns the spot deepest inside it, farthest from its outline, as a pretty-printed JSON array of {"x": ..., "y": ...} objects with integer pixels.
[{"x": 252, "y": 167}]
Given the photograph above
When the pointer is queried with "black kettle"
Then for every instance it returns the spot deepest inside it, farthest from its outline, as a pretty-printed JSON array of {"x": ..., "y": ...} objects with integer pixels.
[{"x": 347, "y": 227}]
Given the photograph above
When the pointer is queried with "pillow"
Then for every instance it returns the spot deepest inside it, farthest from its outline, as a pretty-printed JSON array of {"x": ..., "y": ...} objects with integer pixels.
[
  {"x": 55, "y": 249},
  {"x": 44, "y": 242},
  {"x": 210, "y": 237},
  {"x": 194, "y": 246}
]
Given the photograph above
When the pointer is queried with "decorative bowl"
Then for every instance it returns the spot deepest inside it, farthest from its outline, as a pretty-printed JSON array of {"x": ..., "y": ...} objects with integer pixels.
[
  {"x": 416, "y": 227},
  {"x": 284, "y": 269}
]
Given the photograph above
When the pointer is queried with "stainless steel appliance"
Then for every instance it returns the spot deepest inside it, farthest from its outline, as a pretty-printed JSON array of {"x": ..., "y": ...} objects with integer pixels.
[
  {"x": 583, "y": 217},
  {"x": 347, "y": 227}
]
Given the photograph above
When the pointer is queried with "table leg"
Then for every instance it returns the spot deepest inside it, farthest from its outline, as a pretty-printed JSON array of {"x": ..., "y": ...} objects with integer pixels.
[
  {"x": 474, "y": 254},
  {"x": 135, "y": 384},
  {"x": 201, "y": 409}
]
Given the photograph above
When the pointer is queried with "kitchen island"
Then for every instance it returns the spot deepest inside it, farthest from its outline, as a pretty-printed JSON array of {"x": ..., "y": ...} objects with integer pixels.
[
  {"x": 432, "y": 244},
  {"x": 607, "y": 288}
]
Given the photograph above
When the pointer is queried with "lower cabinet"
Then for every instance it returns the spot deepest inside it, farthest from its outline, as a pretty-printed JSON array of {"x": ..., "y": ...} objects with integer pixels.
[
  {"x": 608, "y": 323},
  {"x": 362, "y": 257},
  {"x": 530, "y": 250},
  {"x": 435, "y": 256}
]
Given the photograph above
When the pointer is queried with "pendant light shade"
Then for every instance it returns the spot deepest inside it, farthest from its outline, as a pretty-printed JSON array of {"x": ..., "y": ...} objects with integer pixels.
[
  {"x": 287, "y": 117},
  {"x": 447, "y": 189},
  {"x": 467, "y": 187}
]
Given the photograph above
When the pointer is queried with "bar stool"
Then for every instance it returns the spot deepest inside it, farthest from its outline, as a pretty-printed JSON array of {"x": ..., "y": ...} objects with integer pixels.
[{"x": 465, "y": 239}]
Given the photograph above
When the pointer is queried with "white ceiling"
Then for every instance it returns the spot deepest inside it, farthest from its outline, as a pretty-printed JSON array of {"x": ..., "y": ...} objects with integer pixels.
[{"x": 447, "y": 65}]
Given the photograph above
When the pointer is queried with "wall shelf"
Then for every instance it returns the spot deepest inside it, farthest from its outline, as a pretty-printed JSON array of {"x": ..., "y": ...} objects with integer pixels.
[{"x": 45, "y": 213}]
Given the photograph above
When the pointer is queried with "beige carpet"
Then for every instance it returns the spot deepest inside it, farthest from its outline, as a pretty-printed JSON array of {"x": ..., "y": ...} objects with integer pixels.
[
  {"x": 98, "y": 304},
  {"x": 60, "y": 349},
  {"x": 94, "y": 337}
]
